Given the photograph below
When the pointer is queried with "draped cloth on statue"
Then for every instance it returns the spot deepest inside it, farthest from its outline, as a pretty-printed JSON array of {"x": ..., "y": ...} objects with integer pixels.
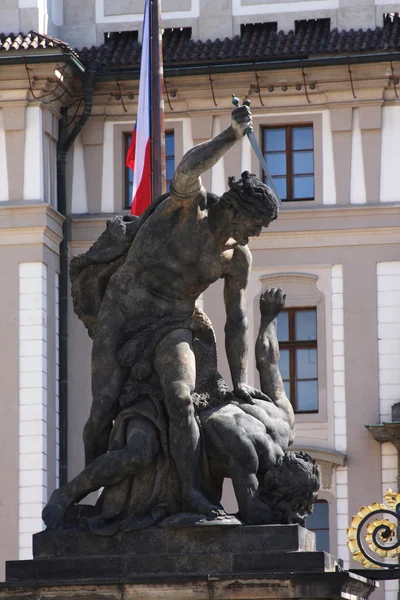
[{"x": 155, "y": 492}]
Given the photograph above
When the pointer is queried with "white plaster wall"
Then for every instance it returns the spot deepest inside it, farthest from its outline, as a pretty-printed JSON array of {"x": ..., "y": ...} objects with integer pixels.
[
  {"x": 388, "y": 286},
  {"x": 107, "y": 188},
  {"x": 281, "y": 7},
  {"x": 33, "y": 155},
  {"x": 187, "y": 134},
  {"x": 329, "y": 182},
  {"x": 339, "y": 407},
  {"x": 32, "y": 402},
  {"x": 79, "y": 203},
  {"x": 138, "y": 17},
  {"x": 245, "y": 155},
  {"x": 57, "y": 12},
  {"x": 389, "y": 192},
  {"x": 218, "y": 170},
  {"x": 358, "y": 193},
  {"x": 57, "y": 378},
  {"x": 3, "y": 162}
]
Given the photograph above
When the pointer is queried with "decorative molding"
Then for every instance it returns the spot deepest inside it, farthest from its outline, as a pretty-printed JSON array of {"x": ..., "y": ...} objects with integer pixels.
[
  {"x": 24, "y": 224},
  {"x": 327, "y": 461}
]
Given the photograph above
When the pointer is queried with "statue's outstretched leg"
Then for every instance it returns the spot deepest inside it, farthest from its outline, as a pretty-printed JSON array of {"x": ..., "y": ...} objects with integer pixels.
[
  {"x": 106, "y": 470},
  {"x": 175, "y": 364}
]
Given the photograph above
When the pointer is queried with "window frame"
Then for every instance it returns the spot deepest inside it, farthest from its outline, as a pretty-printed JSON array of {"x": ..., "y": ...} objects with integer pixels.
[
  {"x": 285, "y": 117},
  {"x": 126, "y": 136},
  {"x": 292, "y": 345},
  {"x": 289, "y": 157}
]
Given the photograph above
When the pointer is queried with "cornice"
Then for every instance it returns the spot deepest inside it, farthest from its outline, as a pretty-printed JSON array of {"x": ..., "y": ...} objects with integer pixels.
[{"x": 25, "y": 224}]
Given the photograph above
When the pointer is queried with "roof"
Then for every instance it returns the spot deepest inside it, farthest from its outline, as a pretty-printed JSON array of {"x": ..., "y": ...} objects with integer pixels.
[
  {"x": 29, "y": 43},
  {"x": 257, "y": 42}
]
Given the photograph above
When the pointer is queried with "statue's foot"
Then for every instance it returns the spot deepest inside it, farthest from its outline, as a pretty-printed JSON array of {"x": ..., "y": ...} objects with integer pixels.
[
  {"x": 53, "y": 512},
  {"x": 196, "y": 502},
  {"x": 271, "y": 302}
]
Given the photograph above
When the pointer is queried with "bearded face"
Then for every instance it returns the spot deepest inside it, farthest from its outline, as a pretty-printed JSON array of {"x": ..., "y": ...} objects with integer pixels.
[{"x": 243, "y": 227}]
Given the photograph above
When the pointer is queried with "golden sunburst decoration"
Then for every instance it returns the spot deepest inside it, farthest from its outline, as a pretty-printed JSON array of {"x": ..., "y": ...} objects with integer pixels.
[{"x": 379, "y": 531}]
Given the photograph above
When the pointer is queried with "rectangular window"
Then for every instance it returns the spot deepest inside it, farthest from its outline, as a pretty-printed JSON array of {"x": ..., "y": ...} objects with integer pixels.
[
  {"x": 319, "y": 523},
  {"x": 289, "y": 153},
  {"x": 298, "y": 364},
  {"x": 169, "y": 164}
]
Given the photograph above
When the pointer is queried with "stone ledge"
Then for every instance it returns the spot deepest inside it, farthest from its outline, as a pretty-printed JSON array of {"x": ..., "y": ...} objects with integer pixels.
[
  {"x": 268, "y": 539},
  {"x": 272, "y": 586}
]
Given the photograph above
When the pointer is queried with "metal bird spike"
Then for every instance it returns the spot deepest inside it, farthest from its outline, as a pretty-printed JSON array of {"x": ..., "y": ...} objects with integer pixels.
[{"x": 253, "y": 141}]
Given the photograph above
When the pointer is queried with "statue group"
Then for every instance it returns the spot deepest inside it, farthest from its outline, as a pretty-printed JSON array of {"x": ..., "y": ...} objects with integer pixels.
[{"x": 164, "y": 428}]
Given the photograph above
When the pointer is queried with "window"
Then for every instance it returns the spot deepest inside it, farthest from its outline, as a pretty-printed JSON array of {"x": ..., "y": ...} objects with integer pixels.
[
  {"x": 169, "y": 164},
  {"x": 169, "y": 157},
  {"x": 319, "y": 523},
  {"x": 289, "y": 153},
  {"x": 297, "y": 336}
]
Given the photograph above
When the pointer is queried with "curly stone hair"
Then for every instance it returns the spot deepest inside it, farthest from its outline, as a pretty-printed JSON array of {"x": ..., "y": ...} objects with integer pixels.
[
  {"x": 290, "y": 488},
  {"x": 249, "y": 196}
]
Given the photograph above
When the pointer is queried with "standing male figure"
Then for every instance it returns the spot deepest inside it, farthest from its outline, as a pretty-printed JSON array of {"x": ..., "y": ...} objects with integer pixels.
[{"x": 190, "y": 241}]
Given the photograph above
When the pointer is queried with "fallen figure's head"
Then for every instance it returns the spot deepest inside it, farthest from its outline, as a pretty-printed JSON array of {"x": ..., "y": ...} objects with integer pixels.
[{"x": 290, "y": 488}]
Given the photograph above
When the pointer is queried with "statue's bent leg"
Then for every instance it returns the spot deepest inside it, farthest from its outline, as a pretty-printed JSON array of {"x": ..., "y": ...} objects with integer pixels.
[
  {"x": 175, "y": 364},
  {"x": 108, "y": 379},
  {"x": 106, "y": 470}
]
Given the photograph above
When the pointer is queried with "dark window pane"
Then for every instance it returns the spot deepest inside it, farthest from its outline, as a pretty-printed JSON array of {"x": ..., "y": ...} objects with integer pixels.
[
  {"x": 302, "y": 138},
  {"x": 319, "y": 519},
  {"x": 319, "y": 522},
  {"x": 306, "y": 363},
  {"x": 280, "y": 184},
  {"x": 276, "y": 163},
  {"x": 169, "y": 144},
  {"x": 170, "y": 165},
  {"x": 275, "y": 139},
  {"x": 284, "y": 364},
  {"x": 306, "y": 325},
  {"x": 287, "y": 389},
  {"x": 283, "y": 326},
  {"x": 307, "y": 395},
  {"x": 303, "y": 162},
  {"x": 303, "y": 187},
  {"x": 322, "y": 541},
  {"x": 130, "y": 190}
]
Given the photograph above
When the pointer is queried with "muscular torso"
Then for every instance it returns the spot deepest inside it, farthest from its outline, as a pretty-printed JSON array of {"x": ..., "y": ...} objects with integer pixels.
[{"x": 174, "y": 257}]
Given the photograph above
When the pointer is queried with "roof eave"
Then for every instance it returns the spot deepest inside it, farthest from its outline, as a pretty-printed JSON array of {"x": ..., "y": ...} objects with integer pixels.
[{"x": 205, "y": 68}]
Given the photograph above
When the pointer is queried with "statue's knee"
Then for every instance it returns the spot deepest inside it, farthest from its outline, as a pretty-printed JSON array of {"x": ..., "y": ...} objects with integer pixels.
[{"x": 178, "y": 400}]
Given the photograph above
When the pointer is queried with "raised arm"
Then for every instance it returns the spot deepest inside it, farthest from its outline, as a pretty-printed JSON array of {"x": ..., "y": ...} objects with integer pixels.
[
  {"x": 186, "y": 182},
  {"x": 237, "y": 324}
]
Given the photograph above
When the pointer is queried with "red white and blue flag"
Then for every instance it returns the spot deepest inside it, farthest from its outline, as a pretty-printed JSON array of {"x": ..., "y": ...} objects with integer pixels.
[{"x": 138, "y": 157}]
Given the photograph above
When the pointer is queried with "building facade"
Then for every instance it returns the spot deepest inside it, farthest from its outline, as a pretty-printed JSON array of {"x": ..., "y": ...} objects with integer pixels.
[{"x": 327, "y": 117}]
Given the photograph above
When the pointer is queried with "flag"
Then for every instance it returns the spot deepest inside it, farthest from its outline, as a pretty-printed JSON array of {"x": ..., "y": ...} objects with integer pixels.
[{"x": 138, "y": 157}]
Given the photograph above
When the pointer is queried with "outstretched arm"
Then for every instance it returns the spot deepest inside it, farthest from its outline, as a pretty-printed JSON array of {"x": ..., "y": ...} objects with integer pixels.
[
  {"x": 267, "y": 351},
  {"x": 186, "y": 182}
]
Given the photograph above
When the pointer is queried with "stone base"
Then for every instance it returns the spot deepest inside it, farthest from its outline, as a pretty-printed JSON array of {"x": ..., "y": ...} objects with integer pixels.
[
  {"x": 302, "y": 586},
  {"x": 221, "y": 562}
]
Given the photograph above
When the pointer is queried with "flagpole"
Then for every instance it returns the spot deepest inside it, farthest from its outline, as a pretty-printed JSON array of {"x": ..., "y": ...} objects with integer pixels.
[{"x": 157, "y": 102}]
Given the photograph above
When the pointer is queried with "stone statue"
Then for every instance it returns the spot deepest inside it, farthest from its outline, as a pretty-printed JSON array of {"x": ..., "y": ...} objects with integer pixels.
[{"x": 164, "y": 430}]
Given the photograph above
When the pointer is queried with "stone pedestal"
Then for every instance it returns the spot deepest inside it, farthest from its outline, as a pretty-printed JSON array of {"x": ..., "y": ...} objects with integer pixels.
[{"x": 210, "y": 562}]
